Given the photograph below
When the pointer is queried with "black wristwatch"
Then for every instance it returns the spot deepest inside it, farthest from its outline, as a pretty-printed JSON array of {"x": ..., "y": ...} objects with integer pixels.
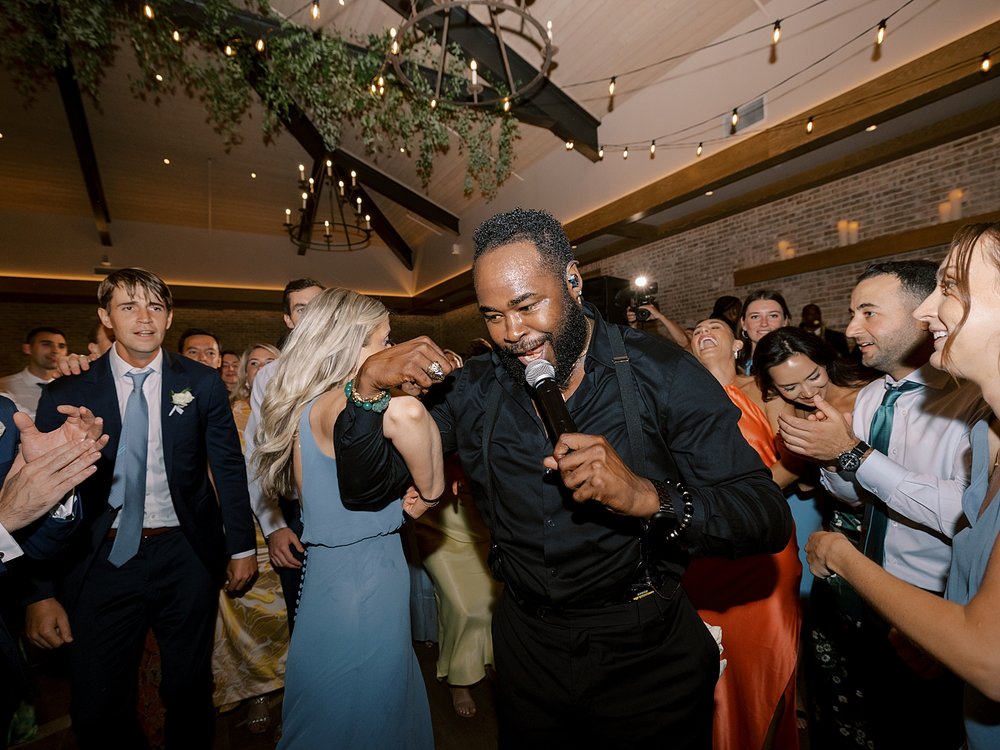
[
  {"x": 851, "y": 460},
  {"x": 667, "y": 523}
]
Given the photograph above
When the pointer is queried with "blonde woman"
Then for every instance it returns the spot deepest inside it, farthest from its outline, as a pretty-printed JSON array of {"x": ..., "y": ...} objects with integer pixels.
[
  {"x": 352, "y": 678},
  {"x": 254, "y": 357}
]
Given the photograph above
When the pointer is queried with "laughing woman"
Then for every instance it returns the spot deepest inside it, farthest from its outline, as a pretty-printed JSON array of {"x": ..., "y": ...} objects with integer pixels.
[
  {"x": 352, "y": 678},
  {"x": 962, "y": 630}
]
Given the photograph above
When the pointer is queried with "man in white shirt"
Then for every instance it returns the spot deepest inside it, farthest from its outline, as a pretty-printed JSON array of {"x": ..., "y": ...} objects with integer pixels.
[
  {"x": 280, "y": 519},
  {"x": 43, "y": 346},
  {"x": 912, "y": 486},
  {"x": 158, "y": 536}
]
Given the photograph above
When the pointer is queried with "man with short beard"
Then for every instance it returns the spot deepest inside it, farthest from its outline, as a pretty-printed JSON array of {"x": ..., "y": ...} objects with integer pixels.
[
  {"x": 912, "y": 488},
  {"x": 594, "y": 641}
]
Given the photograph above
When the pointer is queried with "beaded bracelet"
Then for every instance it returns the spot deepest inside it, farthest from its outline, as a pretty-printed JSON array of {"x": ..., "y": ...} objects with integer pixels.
[
  {"x": 667, "y": 509},
  {"x": 377, "y": 403}
]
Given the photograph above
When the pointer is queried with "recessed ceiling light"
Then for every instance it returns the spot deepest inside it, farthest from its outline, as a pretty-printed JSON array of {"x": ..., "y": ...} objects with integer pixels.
[
  {"x": 253, "y": 175},
  {"x": 870, "y": 128},
  {"x": 166, "y": 161},
  {"x": 709, "y": 192}
]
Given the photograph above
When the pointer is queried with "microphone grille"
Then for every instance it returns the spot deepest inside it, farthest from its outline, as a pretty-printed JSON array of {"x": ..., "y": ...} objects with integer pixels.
[{"x": 539, "y": 370}]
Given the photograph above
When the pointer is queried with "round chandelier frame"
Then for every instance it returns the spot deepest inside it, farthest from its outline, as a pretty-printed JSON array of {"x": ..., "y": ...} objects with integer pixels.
[{"x": 476, "y": 88}]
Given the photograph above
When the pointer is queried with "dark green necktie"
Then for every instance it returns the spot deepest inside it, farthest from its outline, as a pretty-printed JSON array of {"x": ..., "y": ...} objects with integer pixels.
[{"x": 876, "y": 514}]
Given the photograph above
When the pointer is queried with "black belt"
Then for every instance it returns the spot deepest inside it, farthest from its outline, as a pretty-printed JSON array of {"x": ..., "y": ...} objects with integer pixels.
[
  {"x": 146, "y": 533},
  {"x": 643, "y": 599}
]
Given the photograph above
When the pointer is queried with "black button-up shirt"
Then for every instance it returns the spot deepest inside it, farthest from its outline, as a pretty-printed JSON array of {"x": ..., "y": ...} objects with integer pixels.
[{"x": 558, "y": 552}]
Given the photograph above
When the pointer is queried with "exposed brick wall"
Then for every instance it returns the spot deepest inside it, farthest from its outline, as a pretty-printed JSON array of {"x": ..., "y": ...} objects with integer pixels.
[{"x": 692, "y": 268}]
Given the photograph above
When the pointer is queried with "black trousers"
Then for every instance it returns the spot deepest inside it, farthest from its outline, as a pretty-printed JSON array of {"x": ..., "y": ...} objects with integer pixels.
[
  {"x": 166, "y": 587},
  {"x": 637, "y": 675},
  {"x": 291, "y": 578}
]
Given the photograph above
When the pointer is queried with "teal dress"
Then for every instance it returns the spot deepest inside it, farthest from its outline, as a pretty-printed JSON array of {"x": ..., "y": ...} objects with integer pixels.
[
  {"x": 352, "y": 678},
  {"x": 971, "y": 549}
]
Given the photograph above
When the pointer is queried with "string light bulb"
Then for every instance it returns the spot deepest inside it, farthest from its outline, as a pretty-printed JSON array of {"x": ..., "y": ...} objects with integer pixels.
[
  {"x": 147, "y": 10},
  {"x": 880, "y": 34},
  {"x": 229, "y": 50},
  {"x": 260, "y": 44},
  {"x": 569, "y": 145},
  {"x": 176, "y": 35},
  {"x": 735, "y": 118},
  {"x": 809, "y": 125},
  {"x": 600, "y": 153},
  {"x": 506, "y": 104},
  {"x": 394, "y": 46},
  {"x": 698, "y": 151},
  {"x": 985, "y": 64},
  {"x": 314, "y": 11},
  {"x": 625, "y": 153},
  {"x": 611, "y": 86},
  {"x": 652, "y": 148},
  {"x": 776, "y": 34},
  {"x": 434, "y": 103}
]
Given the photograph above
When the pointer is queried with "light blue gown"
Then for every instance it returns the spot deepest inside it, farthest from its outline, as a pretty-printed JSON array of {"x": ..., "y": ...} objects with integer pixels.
[
  {"x": 352, "y": 678},
  {"x": 971, "y": 549}
]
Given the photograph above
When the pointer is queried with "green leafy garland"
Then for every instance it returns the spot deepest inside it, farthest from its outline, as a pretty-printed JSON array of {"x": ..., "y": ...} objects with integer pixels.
[{"x": 319, "y": 74}]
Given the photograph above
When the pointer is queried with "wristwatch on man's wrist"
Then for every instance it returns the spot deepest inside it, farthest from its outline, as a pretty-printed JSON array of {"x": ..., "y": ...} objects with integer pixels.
[{"x": 851, "y": 460}]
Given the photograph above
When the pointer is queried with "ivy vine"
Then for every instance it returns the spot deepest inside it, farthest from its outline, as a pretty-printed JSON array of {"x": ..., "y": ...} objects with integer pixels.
[{"x": 319, "y": 74}]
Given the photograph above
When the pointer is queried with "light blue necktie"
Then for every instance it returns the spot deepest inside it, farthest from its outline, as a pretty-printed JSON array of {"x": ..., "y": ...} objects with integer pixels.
[
  {"x": 876, "y": 513},
  {"x": 129, "y": 492}
]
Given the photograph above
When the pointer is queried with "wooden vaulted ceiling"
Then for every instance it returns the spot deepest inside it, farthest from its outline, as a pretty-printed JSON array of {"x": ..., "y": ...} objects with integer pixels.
[{"x": 211, "y": 227}]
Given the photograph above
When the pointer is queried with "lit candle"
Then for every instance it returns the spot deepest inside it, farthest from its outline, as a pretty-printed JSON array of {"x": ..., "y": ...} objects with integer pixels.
[
  {"x": 842, "y": 232},
  {"x": 326, "y": 228},
  {"x": 354, "y": 178},
  {"x": 359, "y": 204},
  {"x": 302, "y": 172},
  {"x": 340, "y": 184},
  {"x": 305, "y": 199},
  {"x": 312, "y": 185},
  {"x": 288, "y": 217},
  {"x": 475, "y": 73},
  {"x": 329, "y": 168},
  {"x": 368, "y": 221}
]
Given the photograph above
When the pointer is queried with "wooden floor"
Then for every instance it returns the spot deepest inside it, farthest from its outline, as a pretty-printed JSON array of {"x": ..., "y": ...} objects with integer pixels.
[{"x": 451, "y": 732}]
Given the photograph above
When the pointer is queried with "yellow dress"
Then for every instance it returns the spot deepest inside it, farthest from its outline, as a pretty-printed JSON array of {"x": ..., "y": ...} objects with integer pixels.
[{"x": 251, "y": 633}]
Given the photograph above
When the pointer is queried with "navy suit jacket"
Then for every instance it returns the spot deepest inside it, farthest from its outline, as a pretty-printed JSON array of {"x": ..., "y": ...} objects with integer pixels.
[{"x": 204, "y": 435}]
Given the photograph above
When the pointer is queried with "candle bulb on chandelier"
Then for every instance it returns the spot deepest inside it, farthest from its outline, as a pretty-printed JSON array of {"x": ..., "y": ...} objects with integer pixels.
[
  {"x": 329, "y": 168},
  {"x": 312, "y": 185},
  {"x": 368, "y": 221},
  {"x": 359, "y": 205},
  {"x": 475, "y": 73},
  {"x": 302, "y": 173},
  {"x": 305, "y": 200},
  {"x": 288, "y": 217},
  {"x": 340, "y": 185},
  {"x": 354, "y": 180},
  {"x": 326, "y": 228}
]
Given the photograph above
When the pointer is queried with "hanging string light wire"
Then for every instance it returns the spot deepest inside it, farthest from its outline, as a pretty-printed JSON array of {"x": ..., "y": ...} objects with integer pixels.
[{"x": 714, "y": 119}]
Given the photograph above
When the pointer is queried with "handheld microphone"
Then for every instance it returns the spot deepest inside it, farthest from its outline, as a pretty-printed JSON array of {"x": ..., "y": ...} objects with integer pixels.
[{"x": 541, "y": 376}]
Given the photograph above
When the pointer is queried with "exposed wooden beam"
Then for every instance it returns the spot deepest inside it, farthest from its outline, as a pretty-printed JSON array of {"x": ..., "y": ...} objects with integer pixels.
[
  {"x": 548, "y": 107},
  {"x": 77, "y": 117},
  {"x": 945, "y": 131},
  {"x": 384, "y": 229},
  {"x": 878, "y": 247},
  {"x": 932, "y": 77}
]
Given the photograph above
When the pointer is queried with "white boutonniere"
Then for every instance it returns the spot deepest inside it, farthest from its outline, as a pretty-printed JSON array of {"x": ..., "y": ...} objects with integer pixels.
[
  {"x": 3, "y": 429},
  {"x": 180, "y": 400}
]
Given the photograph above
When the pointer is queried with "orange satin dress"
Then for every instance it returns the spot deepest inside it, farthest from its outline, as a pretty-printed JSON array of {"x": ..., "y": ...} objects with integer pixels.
[{"x": 756, "y": 602}]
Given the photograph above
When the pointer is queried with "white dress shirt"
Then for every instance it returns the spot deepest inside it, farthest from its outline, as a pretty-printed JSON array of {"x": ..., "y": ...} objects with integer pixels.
[
  {"x": 265, "y": 508},
  {"x": 24, "y": 389},
  {"x": 159, "y": 511},
  {"x": 923, "y": 476}
]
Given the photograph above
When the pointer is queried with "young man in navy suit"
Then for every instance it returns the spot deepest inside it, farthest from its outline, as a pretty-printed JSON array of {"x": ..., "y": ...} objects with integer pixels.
[{"x": 169, "y": 423}]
